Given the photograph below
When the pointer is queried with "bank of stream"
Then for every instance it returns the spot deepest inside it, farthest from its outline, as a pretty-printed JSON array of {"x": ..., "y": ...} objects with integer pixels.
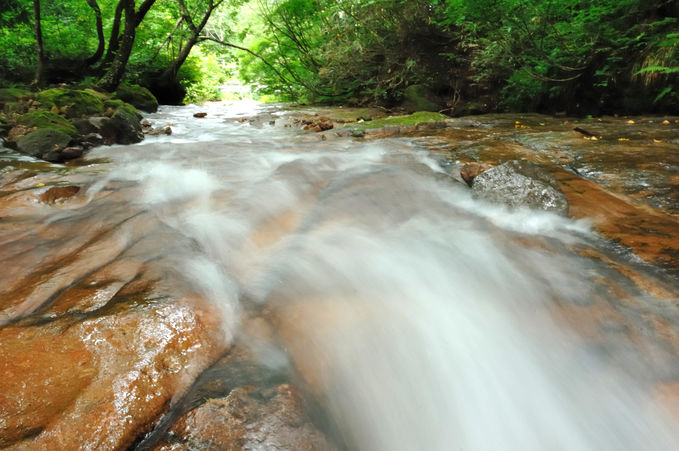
[{"x": 243, "y": 284}]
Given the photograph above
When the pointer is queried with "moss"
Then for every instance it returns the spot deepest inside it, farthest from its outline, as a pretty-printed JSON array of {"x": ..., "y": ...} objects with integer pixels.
[
  {"x": 101, "y": 95},
  {"x": 12, "y": 94},
  {"x": 410, "y": 119},
  {"x": 75, "y": 103},
  {"x": 46, "y": 119},
  {"x": 138, "y": 96},
  {"x": 116, "y": 104},
  {"x": 42, "y": 141}
]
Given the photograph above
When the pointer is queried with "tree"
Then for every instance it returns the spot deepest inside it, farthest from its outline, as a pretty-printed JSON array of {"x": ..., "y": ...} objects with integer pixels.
[
  {"x": 40, "y": 66},
  {"x": 100, "y": 33},
  {"x": 193, "y": 38},
  {"x": 111, "y": 79},
  {"x": 114, "y": 75}
]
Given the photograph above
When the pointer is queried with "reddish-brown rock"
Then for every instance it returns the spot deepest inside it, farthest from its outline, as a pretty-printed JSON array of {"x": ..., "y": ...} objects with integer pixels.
[
  {"x": 248, "y": 418},
  {"x": 57, "y": 193},
  {"x": 471, "y": 170}
]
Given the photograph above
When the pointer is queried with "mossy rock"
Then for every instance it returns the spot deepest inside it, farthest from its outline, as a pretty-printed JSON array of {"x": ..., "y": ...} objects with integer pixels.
[
  {"x": 419, "y": 98},
  {"x": 12, "y": 94},
  {"x": 76, "y": 103},
  {"x": 123, "y": 124},
  {"x": 101, "y": 95},
  {"x": 410, "y": 119},
  {"x": 137, "y": 96},
  {"x": 46, "y": 119},
  {"x": 116, "y": 104},
  {"x": 41, "y": 141}
]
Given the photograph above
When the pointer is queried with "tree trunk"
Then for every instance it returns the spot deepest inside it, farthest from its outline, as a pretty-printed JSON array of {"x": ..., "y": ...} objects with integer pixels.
[
  {"x": 40, "y": 67},
  {"x": 143, "y": 9},
  {"x": 100, "y": 33},
  {"x": 170, "y": 73},
  {"x": 114, "y": 40},
  {"x": 114, "y": 75}
]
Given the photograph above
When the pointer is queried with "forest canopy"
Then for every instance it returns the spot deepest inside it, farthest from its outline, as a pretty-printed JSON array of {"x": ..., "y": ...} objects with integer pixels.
[{"x": 465, "y": 56}]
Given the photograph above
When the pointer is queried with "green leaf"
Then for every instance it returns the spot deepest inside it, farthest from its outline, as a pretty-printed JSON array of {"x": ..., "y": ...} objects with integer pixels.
[{"x": 662, "y": 94}]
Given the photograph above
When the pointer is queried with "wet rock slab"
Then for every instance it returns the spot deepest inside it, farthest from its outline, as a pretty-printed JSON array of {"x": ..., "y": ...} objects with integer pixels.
[
  {"x": 520, "y": 183},
  {"x": 100, "y": 382}
]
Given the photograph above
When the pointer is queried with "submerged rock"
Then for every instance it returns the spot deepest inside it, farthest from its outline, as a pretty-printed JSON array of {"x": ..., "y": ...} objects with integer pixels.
[
  {"x": 52, "y": 195},
  {"x": 520, "y": 183}
]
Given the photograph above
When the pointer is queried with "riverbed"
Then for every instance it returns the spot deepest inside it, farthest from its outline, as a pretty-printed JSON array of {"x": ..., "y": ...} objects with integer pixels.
[{"x": 244, "y": 284}]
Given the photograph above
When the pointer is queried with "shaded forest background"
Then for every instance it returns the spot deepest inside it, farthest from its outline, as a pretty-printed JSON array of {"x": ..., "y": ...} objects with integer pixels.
[{"x": 463, "y": 56}]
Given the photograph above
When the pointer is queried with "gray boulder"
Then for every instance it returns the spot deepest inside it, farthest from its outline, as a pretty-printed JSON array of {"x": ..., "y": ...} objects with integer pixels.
[
  {"x": 521, "y": 183},
  {"x": 43, "y": 141}
]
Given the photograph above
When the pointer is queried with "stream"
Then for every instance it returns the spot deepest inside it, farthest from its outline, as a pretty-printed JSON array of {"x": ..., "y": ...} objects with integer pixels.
[{"x": 244, "y": 285}]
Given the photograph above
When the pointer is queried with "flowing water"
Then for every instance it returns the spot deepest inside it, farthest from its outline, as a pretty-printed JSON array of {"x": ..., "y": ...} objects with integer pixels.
[{"x": 413, "y": 316}]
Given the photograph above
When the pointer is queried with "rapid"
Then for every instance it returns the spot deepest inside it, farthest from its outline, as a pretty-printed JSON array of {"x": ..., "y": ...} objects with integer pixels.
[{"x": 409, "y": 315}]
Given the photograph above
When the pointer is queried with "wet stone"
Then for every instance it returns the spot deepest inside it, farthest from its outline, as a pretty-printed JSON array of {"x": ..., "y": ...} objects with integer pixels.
[
  {"x": 521, "y": 183},
  {"x": 58, "y": 193},
  {"x": 472, "y": 170},
  {"x": 248, "y": 418}
]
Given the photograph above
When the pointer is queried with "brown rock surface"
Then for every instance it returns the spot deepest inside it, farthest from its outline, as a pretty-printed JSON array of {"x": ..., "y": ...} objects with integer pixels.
[
  {"x": 248, "y": 418},
  {"x": 99, "y": 383},
  {"x": 92, "y": 346},
  {"x": 471, "y": 170},
  {"x": 57, "y": 193}
]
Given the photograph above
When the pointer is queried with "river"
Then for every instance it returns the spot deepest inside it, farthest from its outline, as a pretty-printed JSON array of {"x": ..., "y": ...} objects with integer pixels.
[{"x": 359, "y": 273}]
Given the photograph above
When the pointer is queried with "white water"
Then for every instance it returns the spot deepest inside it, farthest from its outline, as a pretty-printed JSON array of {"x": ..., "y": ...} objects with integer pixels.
[{"x": 409, "y": 309}]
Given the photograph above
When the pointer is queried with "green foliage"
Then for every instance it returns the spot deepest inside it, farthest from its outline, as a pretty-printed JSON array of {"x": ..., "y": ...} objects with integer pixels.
[
  {"x": 581, "y": 55},
  {"x": 12, "y": 94},
  {"x": 201, "y": 75},
  {"x": 587, "y": 56},
  {"x": 364, "y": 51},
  {"x": 577, "y": 55}
]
